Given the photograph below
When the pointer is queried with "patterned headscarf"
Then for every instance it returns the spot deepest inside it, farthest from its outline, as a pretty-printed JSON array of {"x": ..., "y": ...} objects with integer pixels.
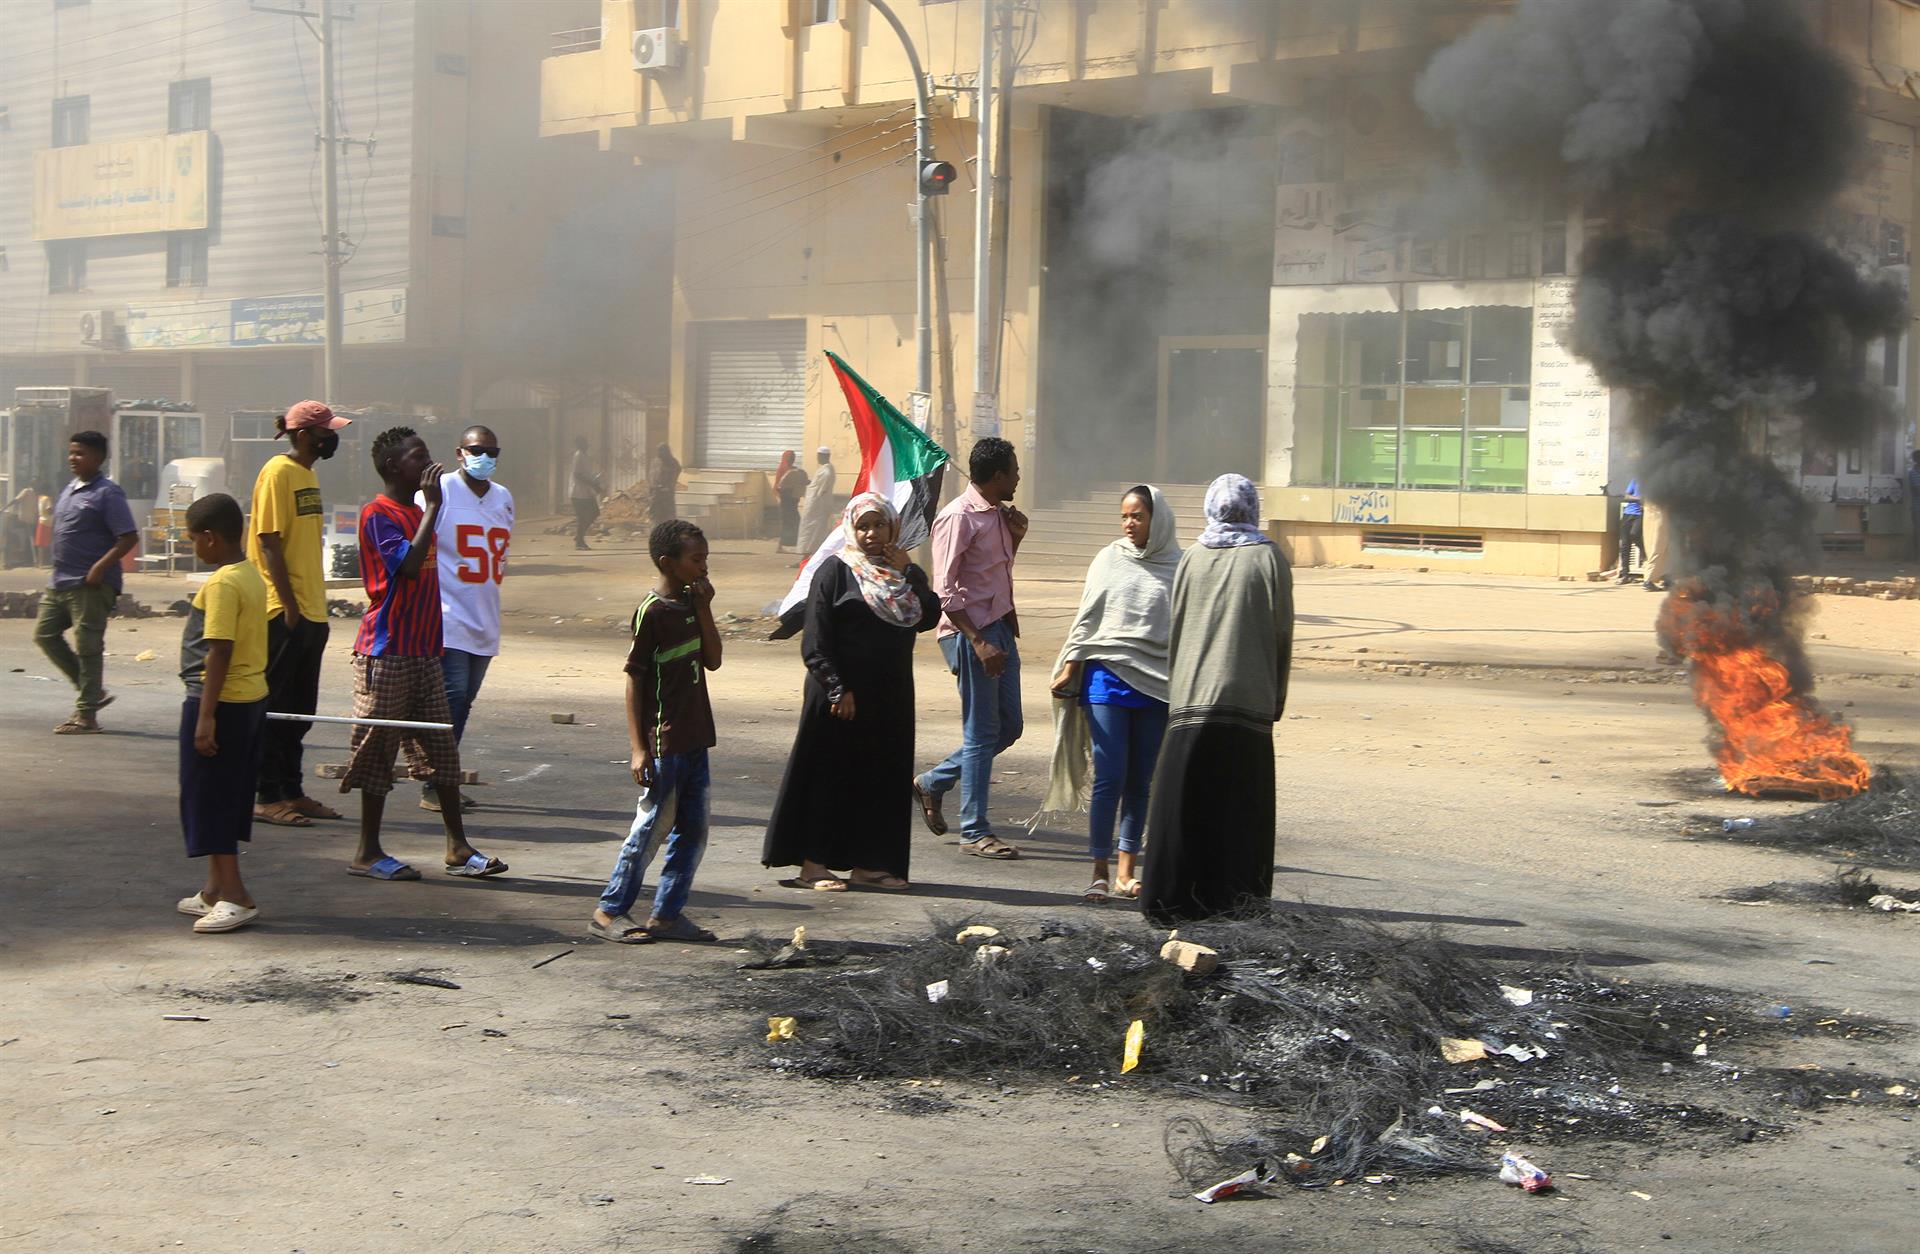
[
  {"x": 1233, "y": 514},
  {"x": 887, "y": 592}
]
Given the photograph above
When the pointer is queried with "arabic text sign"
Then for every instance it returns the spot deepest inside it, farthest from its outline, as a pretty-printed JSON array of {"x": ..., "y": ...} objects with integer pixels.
[
  {"x": 372, "y": 317},
  {"x": 127, "y": 187}
]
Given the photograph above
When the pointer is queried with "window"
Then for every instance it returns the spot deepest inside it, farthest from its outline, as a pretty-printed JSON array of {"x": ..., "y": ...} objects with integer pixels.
[
  {"x": 187, "y": 259},
  {"x": 820, "y": 12},
  {"x": 1432, "y": 398},
  {"x": 1889, "y": 359},
  {"x": 189, "y": 105},
  {"x": 66, "y": 265},
  {"x": 70, "y": 4},
  {"x": 70, "y": 121}
]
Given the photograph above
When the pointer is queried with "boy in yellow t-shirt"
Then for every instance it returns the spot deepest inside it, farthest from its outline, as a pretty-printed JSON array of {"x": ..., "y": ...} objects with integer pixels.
[{"x": 223, "y": 662}]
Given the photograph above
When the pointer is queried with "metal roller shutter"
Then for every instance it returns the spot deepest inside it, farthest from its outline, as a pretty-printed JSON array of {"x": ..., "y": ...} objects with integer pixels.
[{"x": 752, "y": 393}]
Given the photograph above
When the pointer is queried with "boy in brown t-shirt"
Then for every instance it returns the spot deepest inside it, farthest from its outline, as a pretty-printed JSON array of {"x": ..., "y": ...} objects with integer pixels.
[{"x": 670, "y": 729}]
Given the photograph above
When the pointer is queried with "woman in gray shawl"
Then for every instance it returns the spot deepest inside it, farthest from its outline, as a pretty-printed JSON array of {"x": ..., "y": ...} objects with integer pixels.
[
  {"x": 1210, "y": 823},
  {"x": 1110, "y": 689}
]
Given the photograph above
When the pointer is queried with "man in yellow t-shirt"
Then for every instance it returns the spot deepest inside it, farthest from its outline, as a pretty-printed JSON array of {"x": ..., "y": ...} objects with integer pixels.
[{"x": 285, "y": 543}]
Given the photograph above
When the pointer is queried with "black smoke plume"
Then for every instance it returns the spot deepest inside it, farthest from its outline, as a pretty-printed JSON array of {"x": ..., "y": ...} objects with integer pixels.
[{"x": 1731, "y": 121}]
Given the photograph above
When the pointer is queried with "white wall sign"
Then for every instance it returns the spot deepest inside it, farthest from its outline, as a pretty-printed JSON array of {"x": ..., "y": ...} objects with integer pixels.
[{"x": 1568, "y": 419}]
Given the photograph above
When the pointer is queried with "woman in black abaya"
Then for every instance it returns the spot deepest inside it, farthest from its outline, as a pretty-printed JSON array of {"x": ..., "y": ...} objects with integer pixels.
[{"x": 846, "y": 801}]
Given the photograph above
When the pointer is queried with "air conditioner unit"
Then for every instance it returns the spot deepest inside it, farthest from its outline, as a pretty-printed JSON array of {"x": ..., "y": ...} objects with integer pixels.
[
  {"x": 656, "y": 49},
  {"x": 100, "y": 328}
]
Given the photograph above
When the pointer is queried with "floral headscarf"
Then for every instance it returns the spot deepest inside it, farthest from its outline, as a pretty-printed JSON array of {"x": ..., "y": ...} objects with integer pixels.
[
  {"x": 887, "y": 592},
  {"x": 1233, "y": 514}
]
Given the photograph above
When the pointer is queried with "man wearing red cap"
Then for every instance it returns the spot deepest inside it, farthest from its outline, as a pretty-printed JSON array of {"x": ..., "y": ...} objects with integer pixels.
[{"x": 285, "y": 540}]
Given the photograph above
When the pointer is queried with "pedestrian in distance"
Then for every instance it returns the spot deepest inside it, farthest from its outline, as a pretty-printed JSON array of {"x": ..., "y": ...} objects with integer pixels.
[
  {"x": 43, "y": 530},
  {"x": 1632, "y": 531},
  {"x": 1110, "y": 690},
  {"x": 585, "y": 493},
  {"x": 396, "y": 661},
  {"x": 663, "y": 481},
  {"x": 789, "y": 484},
  {"x": 669, "y": 731},
  {"x": 286, "y": 543},
  {"x": 975, "y": 539},
  {"x": 1913, "y": 504},
  {"x": 223, "y": 663},
  {"x": 867, "y": 605},
  {"x": 816, "y": 507},
  {"x": 1210, "y": 819},
  {"x": 474, "y": 533},
  {"x": 93, "y": 531}
]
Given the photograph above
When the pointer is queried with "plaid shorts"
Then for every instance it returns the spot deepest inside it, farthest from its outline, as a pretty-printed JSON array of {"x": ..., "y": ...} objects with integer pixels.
[{"x": 411, "y": 688}]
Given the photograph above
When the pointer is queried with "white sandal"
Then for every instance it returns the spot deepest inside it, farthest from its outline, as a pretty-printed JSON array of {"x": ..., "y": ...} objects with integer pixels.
[
  {"x": 225, "y": 917},
  {"x": 195, "y": 905},
  {"x": 1097, "y": 891}
]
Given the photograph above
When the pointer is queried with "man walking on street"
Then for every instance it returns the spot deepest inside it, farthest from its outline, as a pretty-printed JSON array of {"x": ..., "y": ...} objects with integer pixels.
[
  {"x": 93, "y": 529},
  {"x": 585, "y": 493},
  {"x": 472, "y": 534},
  {"x": 285, "y": 542},
  {"x": 817, "y": 512},
  {"x": 974, "y": 543}
]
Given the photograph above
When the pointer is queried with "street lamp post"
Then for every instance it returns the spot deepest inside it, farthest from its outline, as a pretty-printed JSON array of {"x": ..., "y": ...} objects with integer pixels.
[{"x": 922, "y": 155}]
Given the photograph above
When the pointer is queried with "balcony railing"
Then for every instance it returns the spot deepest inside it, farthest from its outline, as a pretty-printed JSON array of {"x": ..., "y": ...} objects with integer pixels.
[{"x": 567, "y": 42}]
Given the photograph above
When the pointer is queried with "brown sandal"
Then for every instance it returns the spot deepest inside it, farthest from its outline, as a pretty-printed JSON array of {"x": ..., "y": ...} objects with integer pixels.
[
  {"x": 313, "y": 809},
  {"x": 884, "y": 880},
  {"x": 930, "y": 810},
  {"x": 281, "y": 814},
  {"x": 78, "y": 727}
]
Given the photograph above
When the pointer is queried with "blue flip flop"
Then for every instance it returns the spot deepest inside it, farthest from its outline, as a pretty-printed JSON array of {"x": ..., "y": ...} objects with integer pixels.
[
  {"x": 388, "y": 868},
  {"x": 477, "y": 866}
]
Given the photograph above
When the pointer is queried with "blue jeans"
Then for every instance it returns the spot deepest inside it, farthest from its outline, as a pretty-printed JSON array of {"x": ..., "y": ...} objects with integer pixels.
[
  {"x": 465, "y": 672},
  {"x": 673, "y": 811},
  {"x": 1126, "y": 744},
  {"x": 990, "y": 721}
]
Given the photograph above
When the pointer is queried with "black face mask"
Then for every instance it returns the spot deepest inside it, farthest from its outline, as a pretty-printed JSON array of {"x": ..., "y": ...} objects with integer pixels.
[{"x": 326, "y": 443}]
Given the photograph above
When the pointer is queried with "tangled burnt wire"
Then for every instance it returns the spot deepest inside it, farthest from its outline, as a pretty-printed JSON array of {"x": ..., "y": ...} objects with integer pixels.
[
  {"x": 1849, "y": 887},
  {"x": 1880, "y": 825},
  {"x": 1325, "y": 1026}
]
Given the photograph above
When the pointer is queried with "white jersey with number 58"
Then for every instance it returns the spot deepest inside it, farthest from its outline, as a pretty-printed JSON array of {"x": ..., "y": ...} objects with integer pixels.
[{"x": 472, "y": 538}]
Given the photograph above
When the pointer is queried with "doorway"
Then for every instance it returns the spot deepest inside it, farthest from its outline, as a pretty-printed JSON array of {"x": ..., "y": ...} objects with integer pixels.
[{"x": 1212, "y": 415}]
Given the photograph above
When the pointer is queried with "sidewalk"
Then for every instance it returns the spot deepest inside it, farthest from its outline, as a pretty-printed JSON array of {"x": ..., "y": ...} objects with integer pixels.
[{"x": 1439, "y": 617}]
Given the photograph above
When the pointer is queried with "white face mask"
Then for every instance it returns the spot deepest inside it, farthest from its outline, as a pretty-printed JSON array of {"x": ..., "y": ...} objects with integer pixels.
[{"x": 479, "y": 465}]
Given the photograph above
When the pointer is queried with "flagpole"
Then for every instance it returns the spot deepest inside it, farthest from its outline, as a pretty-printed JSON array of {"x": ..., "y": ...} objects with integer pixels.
[{"x": 923, "y": 226}]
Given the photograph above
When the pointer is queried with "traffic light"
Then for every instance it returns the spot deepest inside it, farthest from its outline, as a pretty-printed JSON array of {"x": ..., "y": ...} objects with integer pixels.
[{"x": 936, "y": 178}]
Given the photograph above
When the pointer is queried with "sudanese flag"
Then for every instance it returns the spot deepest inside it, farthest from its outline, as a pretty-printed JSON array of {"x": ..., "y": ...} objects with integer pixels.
[{"x": 897, "y": 460}]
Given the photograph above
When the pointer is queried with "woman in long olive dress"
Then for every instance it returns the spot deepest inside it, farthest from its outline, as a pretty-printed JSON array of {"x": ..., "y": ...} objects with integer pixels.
[
  {"x": 846, "y": 800},
  {"x": 1210, "y": 820}
]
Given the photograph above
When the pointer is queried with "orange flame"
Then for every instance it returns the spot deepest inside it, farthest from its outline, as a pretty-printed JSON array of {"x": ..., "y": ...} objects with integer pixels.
[{"x": 1773, "y": 740}]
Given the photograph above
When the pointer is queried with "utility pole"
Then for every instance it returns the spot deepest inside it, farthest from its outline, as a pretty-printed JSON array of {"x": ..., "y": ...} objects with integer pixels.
[
  {"x": 983, "y": 108},
  {"x": 923, "y": 227},
  {"x": 1002, "y": 205},
  {"x": 330, "y": 212}
]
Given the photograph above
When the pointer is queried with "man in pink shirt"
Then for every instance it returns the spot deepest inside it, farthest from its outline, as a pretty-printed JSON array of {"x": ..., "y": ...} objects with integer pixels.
[{"x": 974, "y": 540}]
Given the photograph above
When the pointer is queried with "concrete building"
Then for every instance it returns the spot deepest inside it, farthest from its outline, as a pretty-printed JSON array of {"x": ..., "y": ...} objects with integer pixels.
[
  {"x": 467, "y": 290},
  {"x": 1212, "y": 261}
]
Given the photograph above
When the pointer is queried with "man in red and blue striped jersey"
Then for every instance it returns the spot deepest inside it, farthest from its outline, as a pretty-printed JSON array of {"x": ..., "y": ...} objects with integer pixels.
[{"x": 396, "y": 660}]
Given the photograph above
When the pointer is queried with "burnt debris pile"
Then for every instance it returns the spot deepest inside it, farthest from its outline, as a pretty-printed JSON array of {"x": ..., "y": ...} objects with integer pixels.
[
  {"x": 1359, "y": 1051},
  {"x": 1880, "y": 826}
]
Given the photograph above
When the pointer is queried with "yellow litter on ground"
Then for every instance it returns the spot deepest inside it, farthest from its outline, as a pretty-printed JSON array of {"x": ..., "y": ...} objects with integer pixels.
[
  {"x": 780, "y": 1028},
  {"x": 1136, "y": 1034}
]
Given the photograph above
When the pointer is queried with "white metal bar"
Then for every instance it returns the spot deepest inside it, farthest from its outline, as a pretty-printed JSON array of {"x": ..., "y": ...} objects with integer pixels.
[{"x": 364, "y": 722}]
